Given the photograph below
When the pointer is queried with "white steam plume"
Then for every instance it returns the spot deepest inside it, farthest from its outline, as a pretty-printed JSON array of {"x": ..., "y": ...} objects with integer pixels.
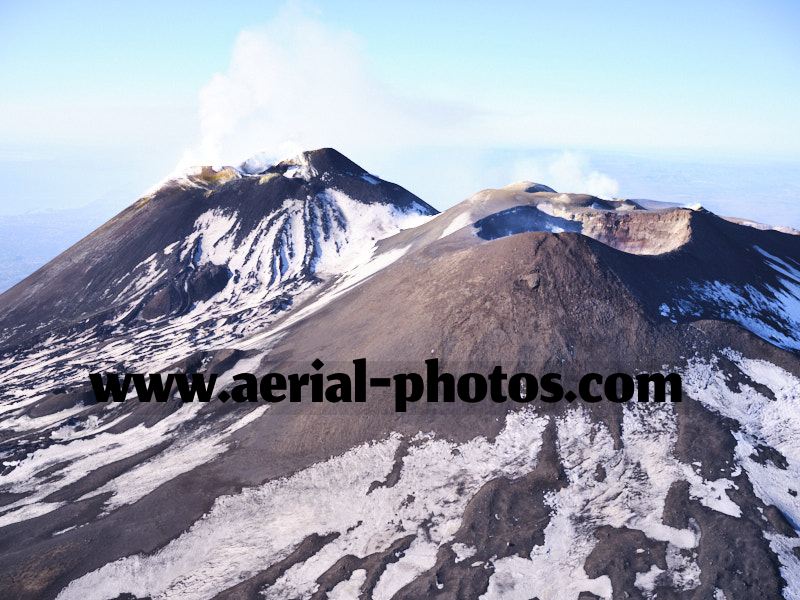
[
  {"x": 297, "y": 84},
  {"x": 567, "y": 172}
]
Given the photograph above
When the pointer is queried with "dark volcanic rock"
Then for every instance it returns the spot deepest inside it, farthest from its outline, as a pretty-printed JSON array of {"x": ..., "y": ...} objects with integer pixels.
[{"x": 263, "y": 269}]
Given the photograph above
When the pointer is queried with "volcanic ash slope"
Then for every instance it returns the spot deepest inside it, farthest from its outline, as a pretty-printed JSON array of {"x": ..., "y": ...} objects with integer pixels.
[{"x": 262, "y": 268}]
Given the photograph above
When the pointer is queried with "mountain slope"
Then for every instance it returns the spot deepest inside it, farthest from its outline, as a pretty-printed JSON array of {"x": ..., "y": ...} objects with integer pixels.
[
  {"x": 303, "y": 500},
  {"x": 204, "y": 260}
]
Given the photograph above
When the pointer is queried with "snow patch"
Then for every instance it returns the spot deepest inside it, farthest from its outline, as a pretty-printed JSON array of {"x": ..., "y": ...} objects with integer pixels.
[
  {"x": 350, "y": 588},
  {"x": 458, "y": 222},
  {"x": 632, "y": 495},
  {"x": 463, "y": 551},
  {"x": 226, "y": 544},
  {"x": 774, "y": 423}
]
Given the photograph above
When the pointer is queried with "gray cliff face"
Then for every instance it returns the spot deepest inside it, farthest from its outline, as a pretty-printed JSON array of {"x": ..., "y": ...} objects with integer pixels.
[{"x": 261, "y": 269}]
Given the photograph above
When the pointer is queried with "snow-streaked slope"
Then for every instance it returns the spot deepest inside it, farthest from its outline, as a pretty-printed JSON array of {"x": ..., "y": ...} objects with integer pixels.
[
  {"x": 771, "y": 311},
  {"x": 240, "y": 269},
  {"x": 632, "y": 494},
  {"x": 262, "y": 525},
  {"x": 436, "y": 482},
  {"x": 247, "y": 279},
  {"x": 762, "y": 421},
  {"x": 157, "y": 317}
]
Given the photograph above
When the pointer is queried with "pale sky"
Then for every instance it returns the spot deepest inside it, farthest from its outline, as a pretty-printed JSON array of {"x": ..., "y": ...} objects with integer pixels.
[{"x": 99, "y": 100}]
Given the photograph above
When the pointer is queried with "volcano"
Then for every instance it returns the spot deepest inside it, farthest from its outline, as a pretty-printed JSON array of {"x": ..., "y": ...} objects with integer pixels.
[{"x": 264, "y": 268}]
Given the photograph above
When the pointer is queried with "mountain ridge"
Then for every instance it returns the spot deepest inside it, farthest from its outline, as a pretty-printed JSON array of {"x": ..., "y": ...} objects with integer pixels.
[{"x": 445, "y": 501}]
